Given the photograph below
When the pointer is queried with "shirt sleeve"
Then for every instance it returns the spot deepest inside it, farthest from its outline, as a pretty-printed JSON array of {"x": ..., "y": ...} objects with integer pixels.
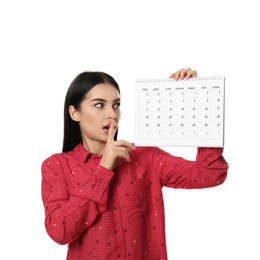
[
  {"x": 209, "y": 169},
  {"x": 70, "y": 211}
]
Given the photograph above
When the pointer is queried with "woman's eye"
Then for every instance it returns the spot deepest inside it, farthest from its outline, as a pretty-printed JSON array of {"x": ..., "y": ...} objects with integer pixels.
[
  {"x": 99, "y": 105},
  {"x": 117, "y": 105}
]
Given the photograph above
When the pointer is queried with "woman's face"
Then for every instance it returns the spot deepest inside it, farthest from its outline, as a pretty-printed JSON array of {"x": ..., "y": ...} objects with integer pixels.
[{"x": 101, "y": 104}]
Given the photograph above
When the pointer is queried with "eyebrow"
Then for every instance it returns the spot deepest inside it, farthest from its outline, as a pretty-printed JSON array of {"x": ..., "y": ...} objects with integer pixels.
[{"x": 103, "y": 100}]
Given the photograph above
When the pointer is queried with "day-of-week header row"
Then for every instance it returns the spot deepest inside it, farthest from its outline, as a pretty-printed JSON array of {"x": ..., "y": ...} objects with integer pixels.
[{"x": 181, "y": 88}]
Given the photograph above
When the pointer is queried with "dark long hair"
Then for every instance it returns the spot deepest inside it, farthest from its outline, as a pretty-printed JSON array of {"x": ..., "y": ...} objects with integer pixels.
[{"x": 76, "y": 93}]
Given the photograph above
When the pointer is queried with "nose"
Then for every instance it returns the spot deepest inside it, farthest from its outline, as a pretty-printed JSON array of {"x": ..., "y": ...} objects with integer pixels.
[{"x": 111, "y": 113}]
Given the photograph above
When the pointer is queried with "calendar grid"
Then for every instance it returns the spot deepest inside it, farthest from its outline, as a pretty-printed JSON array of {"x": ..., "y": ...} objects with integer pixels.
[{"x": 180, "y": 113}]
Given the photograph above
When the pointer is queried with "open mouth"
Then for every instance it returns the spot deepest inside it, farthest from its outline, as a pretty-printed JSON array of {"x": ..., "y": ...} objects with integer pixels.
[{"x": 106, "y": 128}]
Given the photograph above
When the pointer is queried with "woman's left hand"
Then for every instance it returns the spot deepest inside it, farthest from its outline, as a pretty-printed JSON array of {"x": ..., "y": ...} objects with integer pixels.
[{"x": 184, "y": 73}]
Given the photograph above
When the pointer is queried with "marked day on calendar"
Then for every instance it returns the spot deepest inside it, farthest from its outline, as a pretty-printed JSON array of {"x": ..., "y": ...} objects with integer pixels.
[{"x": 187, "y": 112}]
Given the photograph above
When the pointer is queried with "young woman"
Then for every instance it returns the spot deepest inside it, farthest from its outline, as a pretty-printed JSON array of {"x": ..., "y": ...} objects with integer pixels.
[{"x": 103, "y": 197}]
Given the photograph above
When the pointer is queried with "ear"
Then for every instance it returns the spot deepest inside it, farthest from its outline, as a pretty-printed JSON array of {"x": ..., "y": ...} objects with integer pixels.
[{"x": 74, "y": 114}]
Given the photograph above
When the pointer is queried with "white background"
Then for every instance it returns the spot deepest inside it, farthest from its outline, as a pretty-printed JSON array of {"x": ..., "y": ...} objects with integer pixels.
[{"x": 46, "y": 44}]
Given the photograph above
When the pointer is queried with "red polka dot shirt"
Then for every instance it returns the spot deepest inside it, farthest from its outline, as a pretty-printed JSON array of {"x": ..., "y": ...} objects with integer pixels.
[{"x": 119, "y": 214}]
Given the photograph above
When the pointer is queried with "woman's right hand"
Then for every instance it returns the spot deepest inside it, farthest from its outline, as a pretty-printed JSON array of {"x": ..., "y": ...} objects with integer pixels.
[{"x": 115, "y": 150}]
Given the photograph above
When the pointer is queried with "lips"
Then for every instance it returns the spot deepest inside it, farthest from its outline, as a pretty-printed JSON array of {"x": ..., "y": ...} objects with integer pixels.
[{"x": 107, "y": 126}]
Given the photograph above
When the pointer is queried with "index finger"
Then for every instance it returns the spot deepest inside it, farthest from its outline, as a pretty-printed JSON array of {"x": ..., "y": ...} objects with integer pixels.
[
  {"x": 111, "y": 131},
  {"x": 191, "y": 74}
]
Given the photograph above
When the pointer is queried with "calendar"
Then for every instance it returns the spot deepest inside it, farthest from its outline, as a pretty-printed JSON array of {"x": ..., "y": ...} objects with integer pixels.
[{"x": 187, "y": 112}]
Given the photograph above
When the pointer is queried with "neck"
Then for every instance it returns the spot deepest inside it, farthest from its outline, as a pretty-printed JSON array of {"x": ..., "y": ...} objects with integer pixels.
[{"x": 94, "y": 147}]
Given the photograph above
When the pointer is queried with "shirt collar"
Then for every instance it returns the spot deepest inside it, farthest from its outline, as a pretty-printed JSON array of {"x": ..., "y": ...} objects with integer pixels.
[{"x": 83, "y": 154}]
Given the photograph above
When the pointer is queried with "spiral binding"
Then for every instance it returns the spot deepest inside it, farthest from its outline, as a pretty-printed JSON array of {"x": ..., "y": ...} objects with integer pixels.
[{"x": 201, "y": 78}]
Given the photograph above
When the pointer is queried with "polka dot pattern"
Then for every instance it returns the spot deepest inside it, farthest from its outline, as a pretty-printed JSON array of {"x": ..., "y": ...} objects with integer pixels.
[{"x": 119, "y": 214}]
